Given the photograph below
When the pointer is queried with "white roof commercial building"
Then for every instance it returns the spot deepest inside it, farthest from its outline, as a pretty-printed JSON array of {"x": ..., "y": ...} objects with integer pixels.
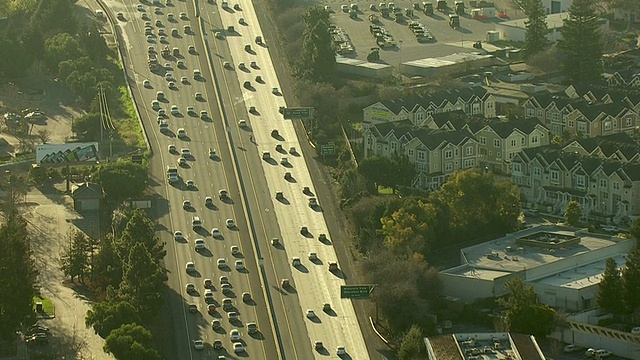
[
  {"x": 515, "y": 30},
  {"x": 564, "y": 265}
]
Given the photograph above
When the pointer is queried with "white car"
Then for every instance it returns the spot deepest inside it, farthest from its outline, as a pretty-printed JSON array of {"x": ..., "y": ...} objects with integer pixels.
[
  {"x": 158, "y": 11},
  {"x": 222, "y": 263},
  {"x": 172, "y": 85},
  {"x": 207, "y": 283},
  {"x": 161, "y": 32},
  {"x": 183, "y": 16},
  {"x": 239, "y": 265},
  {"x": 158, "y": 23},
  {"x": 170, "y": 17},
  {"x": 204, "y": 114},
  {"x": 235, "y": 250},
  {"x": 340, "y": 350},
  {"x": 224, "y": 280},
  {"x": 213, "y": 154},
  {"x": 177, "y": 235},
  {"x": 208, "y": 296},
  {"x": 168, "y": 76},
  {"x": 198, "y": 344},
  {"x": 190, "y": 288},
  {"x": 199, "y": 96},
  {"x": 174, "y": 110},
  {"x": 215, "y": 232},
  {"x": 190, "y": 184},
  {"x": 313, "y": 256},
  {"x": 190, "y": 110},
  {"x": 296, "y": 261},
  {"x": 242, "y": 122},
  {"x": 190, "y": 267},
  {"x": 611, "y": 228},
  {"x": 162, "y": 113},
  {"x": 230, "y": 223},
  {"x": 186, "y": 204},
  {"x": 199, "y": 244},
  {"x": 191, "y": 49},
  {"x": 572, "y": 348},
  {"x": 171, "y": 148},
  {"x": 180, "y": 64},
  {"x": 310, "y": 314},
  {"x": 184, "y": 80},
  {"x": 234, "y": 335},
  {"x": 140, "y": 8},
  {"x": 238, "y": 347},
  {"x": 182, "y": 133},
  {"x": 150, "y": 38},
  {"x": 182, "y": 161},
  {"x": 146, "y": 84},
  {"x": 185, "y": 152}
]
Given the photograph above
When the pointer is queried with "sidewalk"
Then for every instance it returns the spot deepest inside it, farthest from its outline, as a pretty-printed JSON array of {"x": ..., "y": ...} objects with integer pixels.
[{"x": 49, "y": 220}]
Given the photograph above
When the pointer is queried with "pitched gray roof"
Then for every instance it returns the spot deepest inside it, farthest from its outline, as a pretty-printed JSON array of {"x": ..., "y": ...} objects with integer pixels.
[{"x": 425, "y": 99}]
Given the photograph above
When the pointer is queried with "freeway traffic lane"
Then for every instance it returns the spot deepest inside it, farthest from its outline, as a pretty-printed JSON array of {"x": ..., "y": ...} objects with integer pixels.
[
  {"x": 208, "y": 175},
  {"x": 318, "y": 285}
]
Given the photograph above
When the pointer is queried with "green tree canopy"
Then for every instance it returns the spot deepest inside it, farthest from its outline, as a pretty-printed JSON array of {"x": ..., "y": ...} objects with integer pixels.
[
  {"x": 112, "y": 175},
  {"x": 631, "y": 279},
  {"x": 318, "y": 56},
  {"x": 131, "y": 342},
  {"x": 610, "y": 295},
  {"x": 523, "y": 313},
  {"x": 143, "y": 282},
  {"x": 573, "y": 213},
  {"x": 75, "y": 260},
  {"x": 536, "y": 25},
  {"x": 581, "y": 44},
  {"x": 140, "y": 230},
  {"x": 412, "y": 345},
  {"x": 17, "y": 283},
  {"x": 106, "y": 316},
  {"x": 61, "y": 47}
]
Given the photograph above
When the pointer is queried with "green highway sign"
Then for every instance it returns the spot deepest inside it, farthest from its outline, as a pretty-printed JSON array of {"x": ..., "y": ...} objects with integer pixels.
[
  {"x": 302, "y": 113},
  {"x": 355, "y": 291},
  {"x": 329, "y": 149}
]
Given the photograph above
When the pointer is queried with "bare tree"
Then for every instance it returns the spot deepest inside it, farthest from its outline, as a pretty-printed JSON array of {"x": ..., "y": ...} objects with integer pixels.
[{"x": 43, "y": 135}]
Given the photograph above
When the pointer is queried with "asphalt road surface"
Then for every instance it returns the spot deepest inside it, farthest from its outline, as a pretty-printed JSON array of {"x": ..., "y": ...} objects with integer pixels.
[{"x": 250, "y": 181}]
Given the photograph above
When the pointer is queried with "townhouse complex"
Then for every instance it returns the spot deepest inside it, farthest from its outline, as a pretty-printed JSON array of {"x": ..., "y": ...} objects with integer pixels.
[{"x": 460, "y": 129}]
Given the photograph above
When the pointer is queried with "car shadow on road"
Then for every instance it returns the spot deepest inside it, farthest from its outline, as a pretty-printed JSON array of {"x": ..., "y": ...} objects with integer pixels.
[
  {"x": 205, "y": 252},
  {"x": 339, "y": 274},
  {"x": 284, "y": 201},
  {"x": 302, "y": 269}
]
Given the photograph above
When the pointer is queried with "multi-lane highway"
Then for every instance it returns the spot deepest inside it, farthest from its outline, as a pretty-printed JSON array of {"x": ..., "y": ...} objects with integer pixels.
[{"x": 240, "y": 168}]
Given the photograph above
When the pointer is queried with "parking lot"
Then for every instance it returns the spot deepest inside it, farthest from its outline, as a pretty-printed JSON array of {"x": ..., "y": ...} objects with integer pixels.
[{"x": 447, "y": 40}]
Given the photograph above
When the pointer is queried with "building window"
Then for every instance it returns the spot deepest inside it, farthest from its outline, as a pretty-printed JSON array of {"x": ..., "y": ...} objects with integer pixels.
[
  {"x": 422, "y": 155},
  {"x": 629, "y": 121},
  {"x": 469, "y": 150},
  {"x": 448, "y": 154},
  {"x": 419, "y": 116},
  {"x": 483, "y": 140},
  {"x": 410, "y": 152},
  {"x": 467, "y": 163},
  {"x": 536, "y": 172},
  {"x": 522, "y": 141},
  {"x": 582, "y": 127},
  {"x": 421, "y": 167},
  {"x": 448, "y": 166},
  {"x": 534, "y": 139},
  {"x": 555, "y": 176},
  {"x": 531, "y": 113},
  {"x": 517, "y": 168},
  {"x": 571, "y": 123},
  {"x": 607, "y": 125},
  {"x": 616, "y": 185},
  {"x": 580, "y": 181},
  {"x": 394, "y": 146},
  {"x": 540, "y": 114},
  {"x": 496, "y": 143},
  {"x": 603, "y": 183},
  {"x": 514, "y": 143}
]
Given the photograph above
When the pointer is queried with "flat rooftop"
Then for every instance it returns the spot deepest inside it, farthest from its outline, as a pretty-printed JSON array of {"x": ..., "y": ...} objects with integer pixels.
[
  {"x": 485, "y": 346},
  {"x": 553, "y": 21},
  {"x": 527, "y": 249},
  {"x": 583, "y": 276},
  {"x": 447, "y": 60}
]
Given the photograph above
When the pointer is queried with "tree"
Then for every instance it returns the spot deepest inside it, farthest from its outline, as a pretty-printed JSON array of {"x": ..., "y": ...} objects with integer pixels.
[
  {"x": 112, "y": 175},
  {"x": 573, "y": 213},
  {"x": 412, "y": 345},
  {"x": 631, "y": 279},
  {"x": 523, "y": 313},
  {"x": 536, "y": 36},
  {"x": 581, "y": 44},
  {"x": 17, "y": 284},
  {"x": 318, "y": 56},
  {"x": 143, "y": 282},
  {"x": 59, "y": 48},
  {"x": 107, "y": 267},
  {"x": 75, "y": 260},
  {"x": 140, "y": 230},
  {"x": 43, "y": 135},
  {"x": 131, "y": 342},
  {"x": 376, "y": 170},
  {"x": 107, "y": 316},
  {"x": 610, "y": 290},
  {"x": 87, "y": 126}
]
